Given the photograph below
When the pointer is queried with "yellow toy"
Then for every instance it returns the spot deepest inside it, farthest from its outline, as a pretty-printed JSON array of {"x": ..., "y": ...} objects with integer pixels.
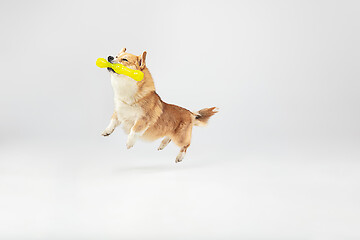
[{"x": 120, "y": 69}]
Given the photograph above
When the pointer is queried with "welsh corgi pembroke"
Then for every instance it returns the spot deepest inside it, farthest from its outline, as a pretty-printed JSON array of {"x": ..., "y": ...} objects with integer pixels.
[{"x": 142, "y": 113}]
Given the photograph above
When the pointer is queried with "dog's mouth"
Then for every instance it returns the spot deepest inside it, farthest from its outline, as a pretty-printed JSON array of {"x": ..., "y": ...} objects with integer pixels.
[{"x": 110, "y": 70}]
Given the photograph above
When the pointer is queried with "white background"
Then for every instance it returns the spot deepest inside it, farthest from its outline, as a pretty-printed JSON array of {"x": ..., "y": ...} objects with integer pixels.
[{"x": 279, "y": 161}]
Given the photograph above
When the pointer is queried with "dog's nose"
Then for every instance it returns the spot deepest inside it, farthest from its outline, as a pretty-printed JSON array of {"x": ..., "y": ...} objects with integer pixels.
[{"x": 110, "y": 58}]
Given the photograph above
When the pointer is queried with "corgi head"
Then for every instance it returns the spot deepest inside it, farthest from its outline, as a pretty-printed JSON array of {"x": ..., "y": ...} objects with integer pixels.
[
  {"x": 125, "y": 86},
  {"x": 129, "y": 60}
]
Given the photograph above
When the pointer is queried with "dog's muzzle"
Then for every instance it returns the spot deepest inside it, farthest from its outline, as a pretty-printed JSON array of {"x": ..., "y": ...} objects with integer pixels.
[{"x": 110, "y": 58}]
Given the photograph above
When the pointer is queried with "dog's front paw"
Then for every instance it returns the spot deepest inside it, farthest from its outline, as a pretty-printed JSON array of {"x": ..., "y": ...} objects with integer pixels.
[
  {"x": 106, "y": 132},
  {"x": 130, "y": 143}
]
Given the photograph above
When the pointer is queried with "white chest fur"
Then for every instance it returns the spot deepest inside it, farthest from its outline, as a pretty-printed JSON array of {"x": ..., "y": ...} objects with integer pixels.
[{"x": 125, "y": 89}]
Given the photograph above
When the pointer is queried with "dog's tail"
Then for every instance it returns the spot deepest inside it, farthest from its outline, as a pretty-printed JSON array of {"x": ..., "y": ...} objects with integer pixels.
[{"x": 203, "y": 116}]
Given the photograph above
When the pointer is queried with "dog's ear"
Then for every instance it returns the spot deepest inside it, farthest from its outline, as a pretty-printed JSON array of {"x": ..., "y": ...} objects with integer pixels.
[
  {"x": 122, "y": 51},
  {"x": 142, "y": 62}
]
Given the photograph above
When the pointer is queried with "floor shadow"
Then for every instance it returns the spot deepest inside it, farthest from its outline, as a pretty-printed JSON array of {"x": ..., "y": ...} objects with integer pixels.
[{"x": 155, "y": 168}]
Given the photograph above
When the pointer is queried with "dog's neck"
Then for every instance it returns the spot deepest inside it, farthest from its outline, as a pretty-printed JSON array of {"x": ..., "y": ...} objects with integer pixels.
[{"x": 129, "y": 91}]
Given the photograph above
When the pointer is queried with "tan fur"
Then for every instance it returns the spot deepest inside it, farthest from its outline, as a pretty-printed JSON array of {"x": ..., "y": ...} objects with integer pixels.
[
  {"x": 159, "y": 119},
  {"x": 202, "y": 117}
]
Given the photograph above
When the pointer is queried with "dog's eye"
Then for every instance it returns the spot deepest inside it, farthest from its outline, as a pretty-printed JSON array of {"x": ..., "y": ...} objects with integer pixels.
[{"x": 124, "y": 59}]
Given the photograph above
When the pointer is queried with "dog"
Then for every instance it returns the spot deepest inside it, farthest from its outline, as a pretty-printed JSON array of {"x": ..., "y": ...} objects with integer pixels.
[{"x": 142, "y": 113}]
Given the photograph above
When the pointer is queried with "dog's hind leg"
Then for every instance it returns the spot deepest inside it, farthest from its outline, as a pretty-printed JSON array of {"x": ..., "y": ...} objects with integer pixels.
[
  {"x": 114, "y": 122},
  {"x": 181, "y": 154},
  {"x": 182, "y": 138},
  {"x": 164, "y": 143}
]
